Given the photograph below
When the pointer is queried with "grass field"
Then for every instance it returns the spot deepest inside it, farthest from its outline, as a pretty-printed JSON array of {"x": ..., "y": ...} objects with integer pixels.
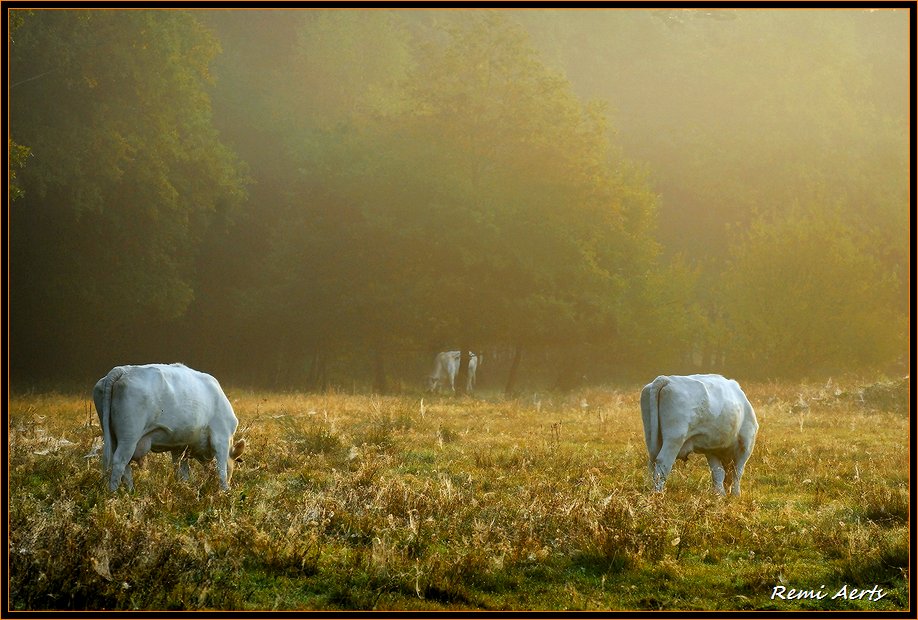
[{"x": 365, "y": 502}]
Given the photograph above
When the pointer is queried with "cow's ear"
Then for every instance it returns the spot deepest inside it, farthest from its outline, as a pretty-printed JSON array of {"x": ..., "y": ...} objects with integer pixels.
[{"x": 238, "y": 447}]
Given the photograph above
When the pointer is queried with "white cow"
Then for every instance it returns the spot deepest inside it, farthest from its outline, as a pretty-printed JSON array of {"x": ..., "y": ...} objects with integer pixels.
[
  {"x": 446, "y": 366},
  {"x": 698, "y": 413},
  {"x": 164, "y": 408}
]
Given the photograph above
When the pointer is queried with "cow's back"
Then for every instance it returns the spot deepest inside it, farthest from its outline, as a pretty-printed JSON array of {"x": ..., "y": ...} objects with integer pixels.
[
  {"x": 724, "y": 395},
  {"x": 709, "y": 408},
  {"x": 447, "y": 364},
  {"x": 172, "y": 396}
]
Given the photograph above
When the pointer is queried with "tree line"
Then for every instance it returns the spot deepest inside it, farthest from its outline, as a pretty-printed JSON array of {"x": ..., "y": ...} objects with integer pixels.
[{"x": 284, "y": 197}]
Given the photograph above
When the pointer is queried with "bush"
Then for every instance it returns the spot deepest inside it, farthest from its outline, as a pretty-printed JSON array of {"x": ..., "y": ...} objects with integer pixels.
[{"x": 888, "y": 395}]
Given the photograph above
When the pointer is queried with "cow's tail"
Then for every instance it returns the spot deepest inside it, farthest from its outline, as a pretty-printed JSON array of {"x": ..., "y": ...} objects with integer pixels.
[
  {"x": 107, "y": 443},
  {"x": 652, "y": 433}
]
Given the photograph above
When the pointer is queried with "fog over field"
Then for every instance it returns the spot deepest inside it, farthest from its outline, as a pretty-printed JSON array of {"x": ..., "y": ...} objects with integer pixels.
[{"x": 314, "y": 198}]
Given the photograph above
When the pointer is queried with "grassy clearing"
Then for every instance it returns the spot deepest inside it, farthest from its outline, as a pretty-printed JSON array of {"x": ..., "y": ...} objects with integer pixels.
[{"x": 366, "y": 502}]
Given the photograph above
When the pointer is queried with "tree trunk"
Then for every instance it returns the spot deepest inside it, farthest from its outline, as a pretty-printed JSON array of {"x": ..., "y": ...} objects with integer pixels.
[
  {"x": 312, "y": 374},
  {"x": 379, "y": 372},
  {"x": 280, "y": 370},
  {"x": 569, "y": 375},
  {"x": 323, "y": 372},
  {"x": 514, "y": 367},
  {"x": 709, "y": 357},
  {"x": 317, "y": 379}
]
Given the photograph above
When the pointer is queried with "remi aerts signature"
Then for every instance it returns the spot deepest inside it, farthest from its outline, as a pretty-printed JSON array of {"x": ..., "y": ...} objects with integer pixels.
[{"x": 845, "y": 592}]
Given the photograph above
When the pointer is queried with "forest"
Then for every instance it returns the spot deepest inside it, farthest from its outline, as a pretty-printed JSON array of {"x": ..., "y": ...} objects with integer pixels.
[{"x": 305, "y": 199}]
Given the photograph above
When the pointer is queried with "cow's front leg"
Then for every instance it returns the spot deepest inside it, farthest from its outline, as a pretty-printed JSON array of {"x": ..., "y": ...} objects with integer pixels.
[
  {"x": 222, "y": 452},
  {"x": 180, "y": 462},
  {"x": 717, "y": 473}
]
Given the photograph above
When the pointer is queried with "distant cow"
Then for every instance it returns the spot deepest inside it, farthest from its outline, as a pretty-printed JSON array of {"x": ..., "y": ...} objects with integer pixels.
[
  {"x": 698, "y": 413},
  {"x": 446, "y": 366},
  {"x": 164, "y": 408}
]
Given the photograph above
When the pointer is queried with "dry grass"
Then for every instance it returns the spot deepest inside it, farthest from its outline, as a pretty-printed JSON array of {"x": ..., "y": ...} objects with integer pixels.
[{"x": 366, "y": 502}]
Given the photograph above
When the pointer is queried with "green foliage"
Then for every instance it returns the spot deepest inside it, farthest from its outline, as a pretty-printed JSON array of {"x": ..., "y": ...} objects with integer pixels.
[
  {"x": 18, "y": 155},
  {"x": 739, "y": 113},
  {"x": 126, "y": 174},
  {"x": 16, "y": 20},
  {"x": 796, "y": 287},
  {"x": 441, "y": 198},
  {"x": 347, "y": 65},
  {"x": 736, "y": 109}
]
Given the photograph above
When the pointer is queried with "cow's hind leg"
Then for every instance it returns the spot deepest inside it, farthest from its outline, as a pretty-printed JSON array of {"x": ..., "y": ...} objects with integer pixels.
[
  {"x": 664, "y": 463},
  {"x": 743, "y": 452},
  {"x": 652, "y": 468},
  {"x": 128, "y": 477},
  {"x": 717, "y": 473},
  {"x": 121, "y": 467}
]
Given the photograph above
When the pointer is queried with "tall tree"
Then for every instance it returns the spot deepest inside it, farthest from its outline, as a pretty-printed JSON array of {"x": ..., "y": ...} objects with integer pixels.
[
  {"x": 742, "y": 113},
  {"x": 125, "y": 177},
  {"x": 546, "y": 221},
  {"x": 462, "y": 195},
  {"x": 322, "y": 271},
  {"x": 804, "y": 294}
]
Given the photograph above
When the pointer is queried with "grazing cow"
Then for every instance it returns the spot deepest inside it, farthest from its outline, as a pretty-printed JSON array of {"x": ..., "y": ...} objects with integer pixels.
[
  {"x": 698, "y": 413},
  {"x": 164, "y": 408},
  {"x": 446, "y": 366}
]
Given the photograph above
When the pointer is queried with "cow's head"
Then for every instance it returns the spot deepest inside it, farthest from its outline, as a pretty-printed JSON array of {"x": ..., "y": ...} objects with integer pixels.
[
  {"x": 234, "y": 454},
  {"x": 432, "y": 382}
]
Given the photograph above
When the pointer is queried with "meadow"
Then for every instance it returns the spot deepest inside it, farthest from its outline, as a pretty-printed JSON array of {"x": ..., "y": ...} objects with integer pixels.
[{"x": 419, "y": 502}]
